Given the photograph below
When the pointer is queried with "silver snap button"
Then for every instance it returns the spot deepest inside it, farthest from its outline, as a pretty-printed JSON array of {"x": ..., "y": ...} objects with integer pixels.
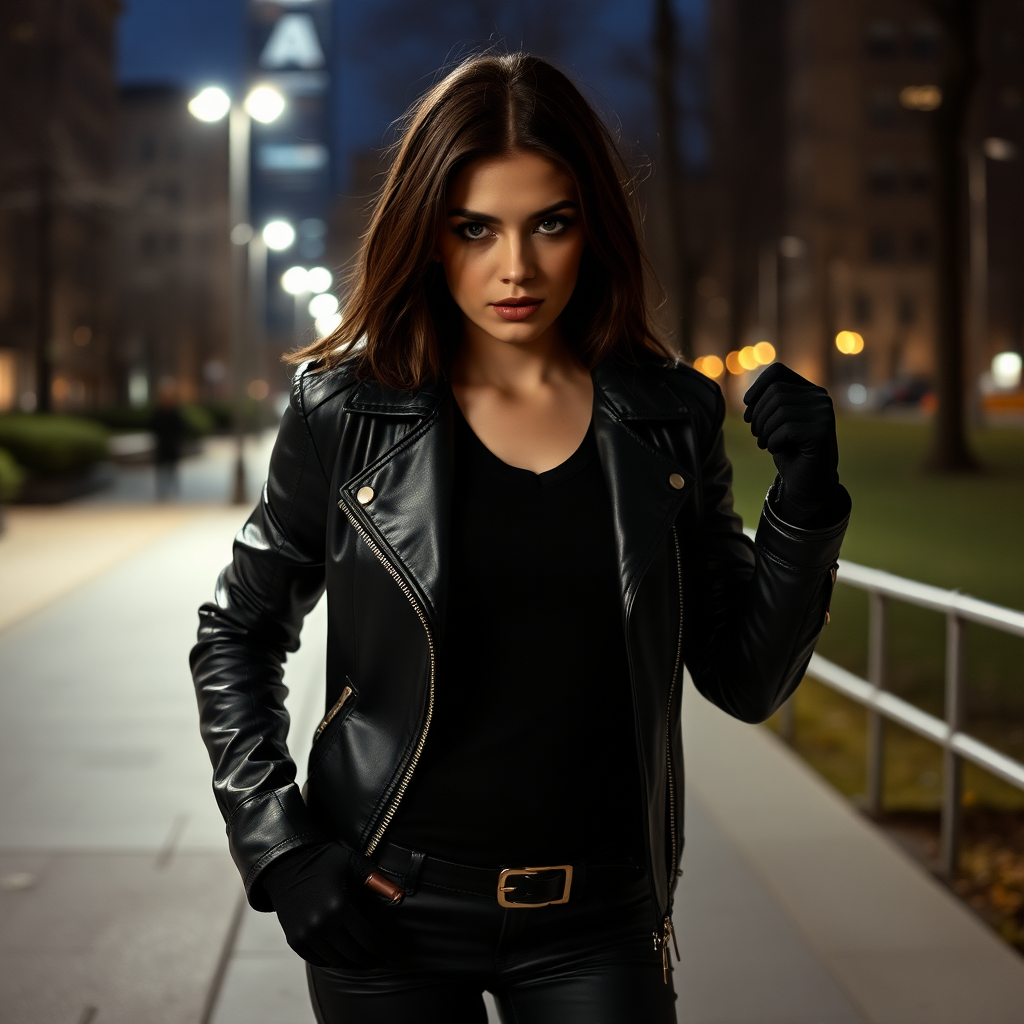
[
  {"x": 364, "y": 495},
  {"x": 676, "y": 481}
]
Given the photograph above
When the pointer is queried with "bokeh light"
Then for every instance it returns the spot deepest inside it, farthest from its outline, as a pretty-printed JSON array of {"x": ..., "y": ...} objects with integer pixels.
[
  {"x": 319, "y": 279},
  {"x": 211, "y": 104},
  {"x": 850, "y": 343},
  {"x": 764, "y": 352},
  {"x": 295, "y": 280},
  {"x": 321, "y": 306},
  {"x": 258, "y": 390},
  {"x": 1006, "y": 369},
  {"x": 327, "y": 324},
  {"x": 732, "y": 363},
  {"x": 710, "y": 366},
  {"x": 747, "y": 358},
  {"x": 264, "y": 104},
  {"x": 921, "y": 97},
  {"x": 278, "y": 234}
]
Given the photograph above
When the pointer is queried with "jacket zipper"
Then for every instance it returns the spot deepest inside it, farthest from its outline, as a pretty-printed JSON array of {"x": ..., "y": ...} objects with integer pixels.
[
  {"x": 329, "y": 717},
  {"x": 418, "y": 752},
  {"x": 667, "y": 931}
]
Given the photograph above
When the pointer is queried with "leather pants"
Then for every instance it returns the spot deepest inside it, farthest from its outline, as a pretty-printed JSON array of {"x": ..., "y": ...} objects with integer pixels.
[{"x": 589, "y": 961}]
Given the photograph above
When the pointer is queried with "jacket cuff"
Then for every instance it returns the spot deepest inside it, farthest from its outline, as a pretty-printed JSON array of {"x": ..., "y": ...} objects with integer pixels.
[
  {"x": 264, "y": 828},
  {"x": 814, "y": 549}
]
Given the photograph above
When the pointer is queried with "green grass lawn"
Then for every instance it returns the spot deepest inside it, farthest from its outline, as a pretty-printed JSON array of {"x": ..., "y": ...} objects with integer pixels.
[{"x": 956, "y": 532}]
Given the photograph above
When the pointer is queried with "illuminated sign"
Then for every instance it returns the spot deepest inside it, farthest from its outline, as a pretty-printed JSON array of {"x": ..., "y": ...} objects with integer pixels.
[{"x": 293, "y": 43}]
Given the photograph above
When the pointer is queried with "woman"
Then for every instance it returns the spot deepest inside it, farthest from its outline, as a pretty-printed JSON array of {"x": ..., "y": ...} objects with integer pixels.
[{"x": 520, "y": 509}]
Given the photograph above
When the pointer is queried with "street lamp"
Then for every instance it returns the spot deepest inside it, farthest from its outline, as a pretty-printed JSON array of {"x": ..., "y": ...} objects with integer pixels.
[
  {"x": 278, "y": 235},
  {"x": 263, "y": 104},
  {"x": 977, "y": 189}
]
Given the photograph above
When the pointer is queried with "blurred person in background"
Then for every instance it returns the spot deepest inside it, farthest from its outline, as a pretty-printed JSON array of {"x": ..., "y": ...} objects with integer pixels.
[
  {"x": 519, "y": 505},
  {"x": 169, "y": 432}
]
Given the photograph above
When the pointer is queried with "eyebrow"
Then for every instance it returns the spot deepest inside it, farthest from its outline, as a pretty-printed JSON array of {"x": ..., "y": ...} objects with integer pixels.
[{"x": 486, "y": 218}]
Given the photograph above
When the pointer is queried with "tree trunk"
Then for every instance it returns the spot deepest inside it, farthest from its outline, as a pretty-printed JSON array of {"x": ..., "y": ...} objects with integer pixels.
[
  {"x": 950, "y": 451},
  {"x": 665, "y": 100}
]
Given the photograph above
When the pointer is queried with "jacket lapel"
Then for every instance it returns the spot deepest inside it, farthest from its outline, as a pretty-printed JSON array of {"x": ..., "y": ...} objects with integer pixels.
[
  {"x": 639, "y": 477},
  {"x": 409, "y": 513}
]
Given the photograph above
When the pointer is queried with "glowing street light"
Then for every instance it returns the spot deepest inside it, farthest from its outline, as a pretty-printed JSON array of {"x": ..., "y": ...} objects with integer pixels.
[
  {"x": 319, "y": 279},
  {"x": 278, "y": 235},
  {"x": 295, "y": 281},
  {"x": 264, "y": 104},
  {"x": 211, "y": 104},
  {"x": 323, "y": 305}
]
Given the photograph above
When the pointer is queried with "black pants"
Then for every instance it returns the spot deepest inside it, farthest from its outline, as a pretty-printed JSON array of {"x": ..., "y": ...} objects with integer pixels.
[{"x": 588, "y": 961}]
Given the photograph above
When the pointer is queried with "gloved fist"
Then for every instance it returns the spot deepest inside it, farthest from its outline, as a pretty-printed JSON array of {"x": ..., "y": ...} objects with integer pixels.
[
  {"x": 313, "y": 889},
  {"x": 794, "y": 420}
]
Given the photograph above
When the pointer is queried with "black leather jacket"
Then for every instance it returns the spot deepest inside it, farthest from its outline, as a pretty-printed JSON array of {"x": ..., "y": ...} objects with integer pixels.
[{"x": 358, "y": 501}]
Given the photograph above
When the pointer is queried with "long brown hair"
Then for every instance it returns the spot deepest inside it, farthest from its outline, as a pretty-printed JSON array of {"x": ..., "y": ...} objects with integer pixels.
[{"x": 398, "y": 302}]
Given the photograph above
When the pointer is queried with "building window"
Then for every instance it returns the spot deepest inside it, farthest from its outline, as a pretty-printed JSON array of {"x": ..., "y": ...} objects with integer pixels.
[
  {"x": 883, "y": 107},
  {"x": 882, "y": 175},
  {"x": 861, "y": 308},
  {"x": 881, "y": 39},
  {"x": 906, "y": 309},
  {"x": 920, "y": 245},
  {"x": 882, "y": 246},
  {"x": 924, "y": 40},
  {"x": 919, "y": 177}
]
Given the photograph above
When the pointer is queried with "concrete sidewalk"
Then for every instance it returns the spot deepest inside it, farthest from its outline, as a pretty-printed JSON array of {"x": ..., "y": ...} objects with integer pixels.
[{"x": 118, "y": 900}]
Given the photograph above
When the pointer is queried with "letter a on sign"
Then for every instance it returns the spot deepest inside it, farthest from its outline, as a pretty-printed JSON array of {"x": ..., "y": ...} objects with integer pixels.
[{"x": 293, "y": 43}]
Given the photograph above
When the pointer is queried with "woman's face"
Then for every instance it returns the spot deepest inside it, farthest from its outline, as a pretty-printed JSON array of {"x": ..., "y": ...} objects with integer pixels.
[{"x": 511, "y": 245}]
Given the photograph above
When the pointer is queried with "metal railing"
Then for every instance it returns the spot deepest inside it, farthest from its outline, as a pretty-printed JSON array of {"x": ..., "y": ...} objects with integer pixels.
[{"x": 957, "y": 745}]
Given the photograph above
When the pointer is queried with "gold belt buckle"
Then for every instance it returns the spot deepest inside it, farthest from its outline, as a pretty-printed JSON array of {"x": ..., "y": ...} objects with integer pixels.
[{"x": 504, "y": 887}]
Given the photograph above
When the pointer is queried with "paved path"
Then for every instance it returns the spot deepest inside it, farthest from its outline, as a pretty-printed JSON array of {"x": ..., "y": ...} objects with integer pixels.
[{"x": 117, "y": 898}]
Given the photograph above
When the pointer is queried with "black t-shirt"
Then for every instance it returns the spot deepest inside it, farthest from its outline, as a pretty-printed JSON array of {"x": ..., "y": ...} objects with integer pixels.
[{"x": 531, "y": 757}]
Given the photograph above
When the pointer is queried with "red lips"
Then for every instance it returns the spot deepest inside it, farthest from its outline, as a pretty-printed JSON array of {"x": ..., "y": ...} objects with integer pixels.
[{"x": 517, "y": 308}]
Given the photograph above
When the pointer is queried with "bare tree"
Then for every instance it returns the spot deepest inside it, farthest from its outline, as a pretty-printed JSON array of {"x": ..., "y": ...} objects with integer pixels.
[
  {"x": 665, "y": 44},
  {"x": 950, "y": 451}
]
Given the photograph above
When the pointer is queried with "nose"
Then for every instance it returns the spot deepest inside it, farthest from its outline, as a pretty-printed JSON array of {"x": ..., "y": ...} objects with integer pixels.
[{"x": 518, "y": 260}]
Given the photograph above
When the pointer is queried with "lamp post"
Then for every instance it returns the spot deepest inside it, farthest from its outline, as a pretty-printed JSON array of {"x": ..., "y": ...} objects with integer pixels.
[
  {"x": 265, "y": 105},
  {"x": 977, "y": 178}
]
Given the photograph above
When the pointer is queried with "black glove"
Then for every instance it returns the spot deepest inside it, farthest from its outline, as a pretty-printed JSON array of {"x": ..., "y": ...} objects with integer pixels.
[
  {"x": 794, "y": 420},
  {"x": 314, "y": 889}
]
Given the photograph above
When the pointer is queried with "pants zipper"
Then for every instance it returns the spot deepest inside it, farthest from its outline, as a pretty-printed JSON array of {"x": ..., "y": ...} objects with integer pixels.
[{"x": 389, "y": 814}]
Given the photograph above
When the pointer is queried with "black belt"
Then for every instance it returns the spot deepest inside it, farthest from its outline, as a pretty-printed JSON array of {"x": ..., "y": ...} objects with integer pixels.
[{"x": 513, "y": 887}]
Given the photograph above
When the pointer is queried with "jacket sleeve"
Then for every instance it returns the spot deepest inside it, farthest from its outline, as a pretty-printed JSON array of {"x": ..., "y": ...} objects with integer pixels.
[
  {"x": 753, "y": 611},
  {"x": 275, "y": 578}
]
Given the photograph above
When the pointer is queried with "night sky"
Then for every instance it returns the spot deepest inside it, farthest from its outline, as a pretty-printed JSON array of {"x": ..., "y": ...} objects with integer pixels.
[{"x": 386, "y": 52}]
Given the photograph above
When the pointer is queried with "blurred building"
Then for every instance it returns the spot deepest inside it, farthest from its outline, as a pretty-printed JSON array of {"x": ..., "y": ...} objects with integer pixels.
[
  {"x": 57, "y": 101},
  {"x": 171, "y": 258},
  {"x": 826, "y": 184}
]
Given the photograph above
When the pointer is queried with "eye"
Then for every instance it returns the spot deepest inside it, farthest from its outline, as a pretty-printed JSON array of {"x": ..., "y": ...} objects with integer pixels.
[
  {"x": 473, "y": 230},
  {"x": 552, "y": 225}
]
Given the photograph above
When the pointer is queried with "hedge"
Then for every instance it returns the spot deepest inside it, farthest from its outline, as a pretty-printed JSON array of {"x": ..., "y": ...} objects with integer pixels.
[
  {"x": 199, "y": 420},
  {"x": 12, "y": 476},
  {"x": 50, "y": 445}
]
